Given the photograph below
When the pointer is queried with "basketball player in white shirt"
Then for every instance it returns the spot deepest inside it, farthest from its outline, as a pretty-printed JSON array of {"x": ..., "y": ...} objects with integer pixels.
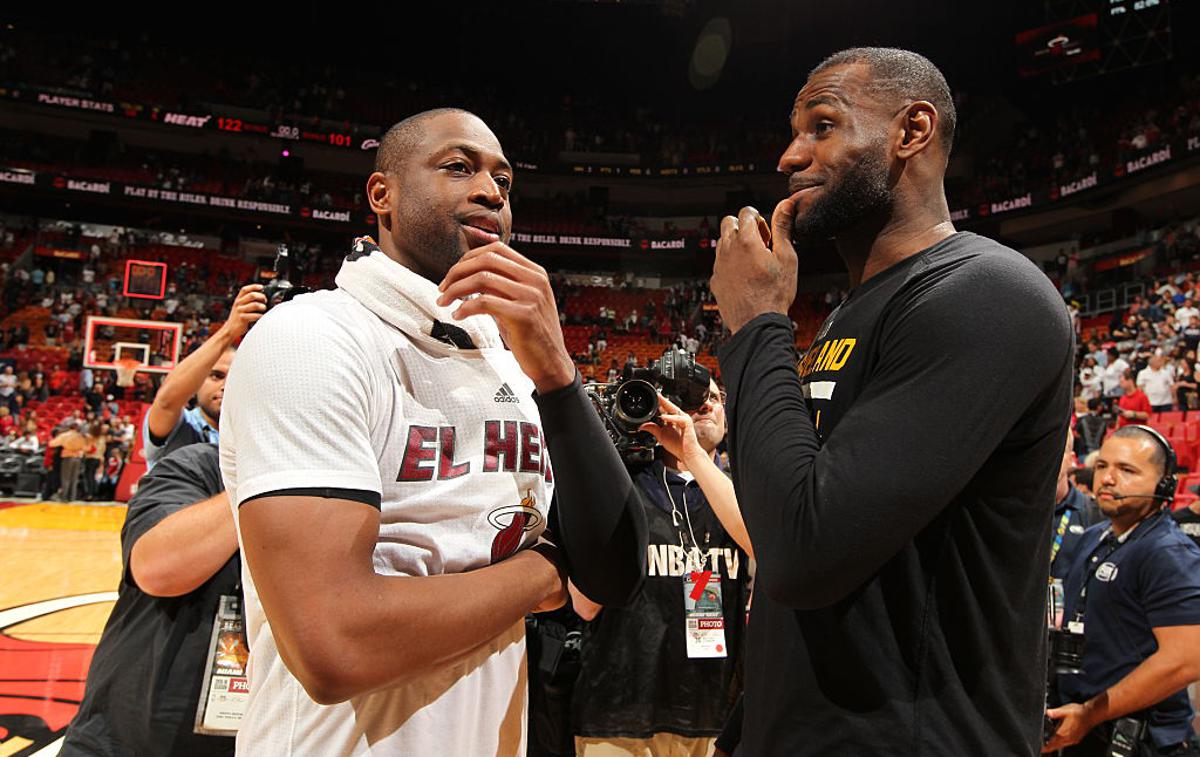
[{"x": 389, "y": 465}]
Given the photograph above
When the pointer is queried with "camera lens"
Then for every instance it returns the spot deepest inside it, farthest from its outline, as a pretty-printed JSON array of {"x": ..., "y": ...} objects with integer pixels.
[{"x": 636, "y": 403}]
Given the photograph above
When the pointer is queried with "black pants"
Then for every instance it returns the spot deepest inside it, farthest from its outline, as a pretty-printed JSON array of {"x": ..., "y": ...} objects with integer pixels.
[
  {"x": 90, "y": 466},
  {"x": 53, "y": 478},
  {"x": 69, "y": 471}
]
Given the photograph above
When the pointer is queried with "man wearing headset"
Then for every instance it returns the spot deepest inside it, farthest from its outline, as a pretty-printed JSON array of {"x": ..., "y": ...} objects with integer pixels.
[{"x": 1133, "y": 591}]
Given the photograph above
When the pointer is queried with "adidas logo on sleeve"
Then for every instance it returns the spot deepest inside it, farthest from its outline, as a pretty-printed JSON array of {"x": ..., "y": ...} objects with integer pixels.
[{"x": 506, "y": 394}]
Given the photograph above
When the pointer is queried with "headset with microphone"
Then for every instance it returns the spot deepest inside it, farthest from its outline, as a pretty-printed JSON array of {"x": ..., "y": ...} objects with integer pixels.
[{"x": 1165, "y": 489}]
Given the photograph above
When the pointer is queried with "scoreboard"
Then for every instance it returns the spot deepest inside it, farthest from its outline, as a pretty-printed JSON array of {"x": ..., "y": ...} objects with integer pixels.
[
  {"x": 286, "y": 131},
  {"x": 346, "y": 136},
  {"x": 1111, "y": 35},
  {"x": 1122, "y": 7}
]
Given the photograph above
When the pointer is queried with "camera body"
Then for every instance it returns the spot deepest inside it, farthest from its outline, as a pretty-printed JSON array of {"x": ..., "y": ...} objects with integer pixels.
[
  {"x": 1065, "y": 658},
  {"x": 1066, "y": 651},
  {"x": 626, "y": 404},
  {"x": 280, "y": 289}
]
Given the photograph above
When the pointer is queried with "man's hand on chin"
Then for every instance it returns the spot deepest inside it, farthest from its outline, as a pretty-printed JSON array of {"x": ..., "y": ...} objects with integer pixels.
[{"x": 755, "y": 269}]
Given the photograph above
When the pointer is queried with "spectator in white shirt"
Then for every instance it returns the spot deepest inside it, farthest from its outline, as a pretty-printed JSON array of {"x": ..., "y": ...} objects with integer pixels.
[
  {"x": 127, "y": 430},
  {"x": 1183, "y": 315},
  {"x": 1158, "y": 382},
  {"x": 27, "y": 443},
  {"x": 1113, "y": 372},
  {"x": 8, "y": 382},
  {"x": 1091, "y": 378}
]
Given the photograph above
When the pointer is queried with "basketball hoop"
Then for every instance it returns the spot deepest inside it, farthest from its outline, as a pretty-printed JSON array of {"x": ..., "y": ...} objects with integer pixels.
[
  {"x": 127, "y": 368},
  {"x": 152, "y": 346}
]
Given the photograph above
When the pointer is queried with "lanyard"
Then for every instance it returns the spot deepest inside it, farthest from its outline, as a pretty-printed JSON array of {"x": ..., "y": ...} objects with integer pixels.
[
  {"x": 1096, "y": 562},
  {"x": 1058, "y": 536},
  {"x": 687, "y": 518}
]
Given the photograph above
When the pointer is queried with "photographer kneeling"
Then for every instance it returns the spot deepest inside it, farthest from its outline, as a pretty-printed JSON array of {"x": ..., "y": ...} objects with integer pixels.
[
  {"x": 1133, "y": 592},
  {"x": 658, "y": 676}
]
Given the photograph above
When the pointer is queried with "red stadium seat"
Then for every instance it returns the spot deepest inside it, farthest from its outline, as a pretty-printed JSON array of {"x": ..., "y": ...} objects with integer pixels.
[
  {"x": 1165, "y": 428},
  {"x": 1171, "y": 416},
  {"x": 1185, "y": 454},
  {"x": 1188, "y": 481}
]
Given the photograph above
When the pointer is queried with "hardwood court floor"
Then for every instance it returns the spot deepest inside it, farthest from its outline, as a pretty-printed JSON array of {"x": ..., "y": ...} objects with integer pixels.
[{"x": 60, "y": 566}]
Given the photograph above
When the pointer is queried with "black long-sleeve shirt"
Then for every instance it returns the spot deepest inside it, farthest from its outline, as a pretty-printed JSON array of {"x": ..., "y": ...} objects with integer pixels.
[{"x": 899, "y": 494}]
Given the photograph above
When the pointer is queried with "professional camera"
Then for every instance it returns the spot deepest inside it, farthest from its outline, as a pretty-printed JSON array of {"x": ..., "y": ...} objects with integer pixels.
[
  {"x": 279, "y": 289},
  {"x": 626, "y": 404},
  {"x": 1066, "y": 651}
]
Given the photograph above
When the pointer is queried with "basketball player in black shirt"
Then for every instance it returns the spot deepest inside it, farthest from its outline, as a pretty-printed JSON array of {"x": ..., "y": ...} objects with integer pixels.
[{"x": 898, "y": 487}]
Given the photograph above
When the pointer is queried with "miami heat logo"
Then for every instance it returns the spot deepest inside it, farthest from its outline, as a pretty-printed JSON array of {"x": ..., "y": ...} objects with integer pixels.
[
  {"x": 513, "y": 521},
  {"x": 43, "y": 681}
]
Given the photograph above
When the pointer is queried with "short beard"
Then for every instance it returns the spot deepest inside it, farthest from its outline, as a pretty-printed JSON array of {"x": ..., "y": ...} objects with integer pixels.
[
  {"x": 208, "y": 409},
  {"x": 434, "y": 249},
  {"x": 847, "y": 202}
]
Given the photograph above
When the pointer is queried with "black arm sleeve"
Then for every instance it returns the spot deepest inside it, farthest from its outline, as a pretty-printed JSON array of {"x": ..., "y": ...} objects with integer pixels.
[
  {"x": 951, "y": 382},
  {"x": 597, "y": 518}
]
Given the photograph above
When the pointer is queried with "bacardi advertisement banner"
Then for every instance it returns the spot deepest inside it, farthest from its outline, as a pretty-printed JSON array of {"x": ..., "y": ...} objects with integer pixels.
[
  {"x": 157, "y": 195},
  {"x": 17, "y": 176},
  {"x": 575, "y": 240},
  {"x": 1066, "y": 40},
  {"x": 1072, "y": 187},
  {"x": 619, "y": 244},
  {"x": 1141, "y": 162},
  {"x": 1044, "y": 196},
  {"x": 1124, "y": 259},
  {"x": 1039, "y": 198}
]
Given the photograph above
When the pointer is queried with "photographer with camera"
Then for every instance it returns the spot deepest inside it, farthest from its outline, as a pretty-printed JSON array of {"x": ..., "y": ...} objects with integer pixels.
[
  {"x": 660, "y": 676},
  {"x": 170, "y": 424},
  {"x": 1132, "y": 603}
]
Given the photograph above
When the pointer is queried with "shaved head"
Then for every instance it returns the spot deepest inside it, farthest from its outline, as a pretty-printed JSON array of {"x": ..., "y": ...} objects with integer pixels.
[
  {"x": 440, "y": 189},
  {"x": 398, "y": 143}
]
